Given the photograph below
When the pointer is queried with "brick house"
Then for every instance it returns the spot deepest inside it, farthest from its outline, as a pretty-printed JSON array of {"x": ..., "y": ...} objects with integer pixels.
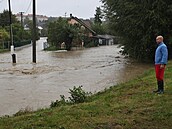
[{"x": 85, "y": 24}]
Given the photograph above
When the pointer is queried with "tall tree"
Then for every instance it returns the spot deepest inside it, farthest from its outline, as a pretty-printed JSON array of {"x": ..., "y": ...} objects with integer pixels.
[
  {"x": 98, "y": 16},
  {"x": 98, "y": 26},
  {"x": 4, "y": 17},
  {"x": 138, "y": 22}
]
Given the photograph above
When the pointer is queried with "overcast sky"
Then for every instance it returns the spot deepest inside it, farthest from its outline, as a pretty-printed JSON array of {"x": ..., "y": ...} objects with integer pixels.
[{"x": 79, "y": 8}]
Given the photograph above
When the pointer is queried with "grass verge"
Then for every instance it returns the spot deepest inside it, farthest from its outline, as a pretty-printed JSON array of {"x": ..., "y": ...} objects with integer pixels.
[
  {"x": 4, "y": 50},
  {"x": 130, "y": 105}
]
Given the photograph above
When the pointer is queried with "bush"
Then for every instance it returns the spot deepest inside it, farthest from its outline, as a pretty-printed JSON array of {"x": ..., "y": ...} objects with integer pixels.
[
  {"x": 78, "y": 95},
  {"x": 22, "y": 43},
  {"x": 58, "y": 103}
]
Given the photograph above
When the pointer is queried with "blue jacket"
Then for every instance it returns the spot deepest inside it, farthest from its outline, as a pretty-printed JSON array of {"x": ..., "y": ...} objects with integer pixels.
[{"x": 161, "y": 54}]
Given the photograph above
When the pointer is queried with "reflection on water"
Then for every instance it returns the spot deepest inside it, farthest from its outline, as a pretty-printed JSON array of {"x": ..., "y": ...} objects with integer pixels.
[{"x": 36, "y": 85}]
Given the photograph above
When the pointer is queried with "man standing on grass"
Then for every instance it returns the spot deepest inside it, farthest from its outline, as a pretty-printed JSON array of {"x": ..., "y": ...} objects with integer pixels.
[{"x": 161, "y": 56}]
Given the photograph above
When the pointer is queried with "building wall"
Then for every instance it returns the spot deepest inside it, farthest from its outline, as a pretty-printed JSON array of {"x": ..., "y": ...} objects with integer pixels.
[{"x": 40, "y": 18}]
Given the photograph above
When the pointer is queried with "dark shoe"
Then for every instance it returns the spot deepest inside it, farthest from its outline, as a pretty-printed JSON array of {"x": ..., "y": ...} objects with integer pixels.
[
  {"x": 160, "y": 92},
  {"x": 155, "y": 91}
]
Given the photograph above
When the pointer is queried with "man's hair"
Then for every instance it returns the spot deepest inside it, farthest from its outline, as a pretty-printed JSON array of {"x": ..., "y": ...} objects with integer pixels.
[{"x": 160, "y": 37}]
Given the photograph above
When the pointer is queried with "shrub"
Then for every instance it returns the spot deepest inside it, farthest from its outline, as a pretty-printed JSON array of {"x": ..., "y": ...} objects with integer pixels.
[
  {"x": 60, "y": 102},
  {"x": 78, "y": 95}
]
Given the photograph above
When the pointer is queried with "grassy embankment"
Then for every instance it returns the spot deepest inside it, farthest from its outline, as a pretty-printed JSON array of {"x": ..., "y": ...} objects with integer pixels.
[
  {"x": 131, "y": 105},
  {"x": 3, "y": 50}
]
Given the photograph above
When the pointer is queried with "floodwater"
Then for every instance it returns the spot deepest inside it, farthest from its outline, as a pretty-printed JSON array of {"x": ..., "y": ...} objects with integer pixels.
[{"x": 34, "y": 86}]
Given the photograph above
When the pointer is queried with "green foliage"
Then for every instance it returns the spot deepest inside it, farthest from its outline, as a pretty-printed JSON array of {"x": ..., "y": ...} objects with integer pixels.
[
  {"x": 92, "y": 44},
  {"x": 78, "y": 95},
  {"x": 5, "y": 18},
  {"x": 60, "y": 31},
  {"x": 98, "y": 16},
  {"x": 20, "y": 36},
  {"x": 51, "y": 48},
  {"x": 60, "y": 102},
  {"x": 24, "y": 111},
  {"x": 138, "y": 23},
  {"x": 22, "y": 43},
  {"x": 4, "y": 35},
  {"x": 88, "y": 42},
  {"x": 99, "y": 28}
]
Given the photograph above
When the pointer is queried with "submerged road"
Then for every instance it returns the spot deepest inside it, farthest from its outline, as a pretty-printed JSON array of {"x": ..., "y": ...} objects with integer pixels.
[{"x": 34, "y": 86}]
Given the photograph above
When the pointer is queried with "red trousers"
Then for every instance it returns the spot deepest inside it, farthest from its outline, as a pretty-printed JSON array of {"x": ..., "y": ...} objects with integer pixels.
[{"x": 159, "y": 72}]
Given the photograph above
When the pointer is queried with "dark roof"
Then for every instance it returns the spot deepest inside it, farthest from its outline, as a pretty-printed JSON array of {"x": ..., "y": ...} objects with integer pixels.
[
  {"x": 85, "y": 24},
  {"x": 105, "y": 36}
]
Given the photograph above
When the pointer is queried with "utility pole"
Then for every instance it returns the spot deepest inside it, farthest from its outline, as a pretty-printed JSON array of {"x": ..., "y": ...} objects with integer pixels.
[
  {"x": 11, "y": 34},
  {"x": 34, "y": 32},
  {"x": 10, "y": 22},
  {"x": 21, "y": 14}
]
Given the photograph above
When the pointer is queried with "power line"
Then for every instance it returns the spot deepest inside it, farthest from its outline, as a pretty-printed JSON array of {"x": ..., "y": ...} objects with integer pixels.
[{"x": 28, "y": 7}]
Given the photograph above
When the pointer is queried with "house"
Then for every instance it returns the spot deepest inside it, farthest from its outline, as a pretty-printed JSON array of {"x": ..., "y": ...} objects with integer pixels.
[
  {"x": 85, "y": 24},
  {"x": 106, "y": 39},
  {"x": 97, "y": 39},
  {"x": 40, "y": 18}
]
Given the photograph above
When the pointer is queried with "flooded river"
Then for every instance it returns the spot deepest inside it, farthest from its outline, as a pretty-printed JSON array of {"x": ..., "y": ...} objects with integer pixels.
[{"x": 27, "y": 85}]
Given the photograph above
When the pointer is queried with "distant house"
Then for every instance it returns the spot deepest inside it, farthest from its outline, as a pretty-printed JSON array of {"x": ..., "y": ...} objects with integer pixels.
[
  {"x": 106, "y": 39},
  {"x": 85, "y": 24},
  {"x": 97, "y": 39},
  {"x": 40, "y": 18}
]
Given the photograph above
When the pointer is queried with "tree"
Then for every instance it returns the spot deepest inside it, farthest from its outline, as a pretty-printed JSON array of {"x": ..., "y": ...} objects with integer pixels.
[
  {"x": 4, "y": 35},
  {"x": 5, "y": 21},
  {"x": 98, "y": 16},
  {"x": 98, "y": 26},
  {"x": 60, "y": 31},
  {"x": 138, "y": 22},
  {"x": 20, "y": 34}
]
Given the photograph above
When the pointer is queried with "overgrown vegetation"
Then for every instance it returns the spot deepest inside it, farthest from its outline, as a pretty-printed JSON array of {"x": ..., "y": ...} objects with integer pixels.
[
  {"x": 138, "y": 23},
  {"x": 78, "y": 95},
  {"x": 61, "y": 31},
  {"x": 130, "y": 105},
  {"x": 97, "y": 25}
]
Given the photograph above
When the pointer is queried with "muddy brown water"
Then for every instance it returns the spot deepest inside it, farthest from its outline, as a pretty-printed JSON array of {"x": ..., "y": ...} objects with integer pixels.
[{"x": 34, "y": 86}]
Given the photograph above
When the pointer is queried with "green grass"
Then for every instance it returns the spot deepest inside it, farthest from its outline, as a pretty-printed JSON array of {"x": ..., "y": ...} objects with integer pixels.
[
  {"x": 130, "y": 105},
  {"x": 51, "y": 48},
  {"x": 4, "y": 50}
]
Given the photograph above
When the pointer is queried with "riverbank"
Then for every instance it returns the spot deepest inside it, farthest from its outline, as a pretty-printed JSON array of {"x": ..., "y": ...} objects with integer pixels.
[{"x": 128, "y": 105}]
